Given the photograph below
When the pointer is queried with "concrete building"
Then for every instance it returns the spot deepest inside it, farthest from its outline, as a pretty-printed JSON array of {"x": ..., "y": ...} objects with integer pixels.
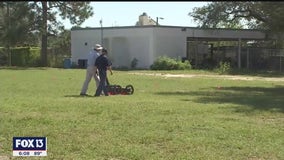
[{"x": 146, "y": 43}]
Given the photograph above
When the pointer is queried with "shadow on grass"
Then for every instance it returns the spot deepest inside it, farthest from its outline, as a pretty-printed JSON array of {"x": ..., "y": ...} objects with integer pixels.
[
  {"x": 79, "y": 96},
  {"x": 253, "y": 98},
  {"x": 22, "y": 68},
  {"x": 258, "y": 73},
  {"x": 251, "y": 72}
]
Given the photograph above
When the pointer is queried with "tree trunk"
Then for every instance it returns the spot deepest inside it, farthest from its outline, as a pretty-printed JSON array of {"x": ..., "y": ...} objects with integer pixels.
[{"x": 44, "y": 35}]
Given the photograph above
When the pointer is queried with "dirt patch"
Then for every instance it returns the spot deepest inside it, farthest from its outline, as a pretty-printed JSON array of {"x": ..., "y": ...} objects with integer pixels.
[
  {"x": 235, "y": 77},
  {"x": 4, "y": 158}
]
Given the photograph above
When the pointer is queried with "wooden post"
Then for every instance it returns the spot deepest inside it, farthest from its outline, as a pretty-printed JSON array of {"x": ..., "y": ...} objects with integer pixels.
[
  {"x": 280, "y": 63},
  {"x": 239, "y": 53},
  {"x": 247, "y": 58},
  {"x": 9, "y": 36}
]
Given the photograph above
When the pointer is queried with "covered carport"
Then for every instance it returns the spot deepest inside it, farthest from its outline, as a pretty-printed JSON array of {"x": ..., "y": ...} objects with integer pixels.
[{"x": 199, "y": 41}]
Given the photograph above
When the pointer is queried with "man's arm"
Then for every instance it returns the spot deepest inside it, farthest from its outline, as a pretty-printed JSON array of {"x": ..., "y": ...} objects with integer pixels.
[
  {"x": 109, "y": 68},
  {"x": 109, "y": 65},
  {"x": 96, "y": 70}
]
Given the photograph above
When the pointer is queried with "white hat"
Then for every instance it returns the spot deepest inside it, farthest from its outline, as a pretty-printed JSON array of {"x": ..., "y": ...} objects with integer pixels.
[{"x": 98, "y": 47}]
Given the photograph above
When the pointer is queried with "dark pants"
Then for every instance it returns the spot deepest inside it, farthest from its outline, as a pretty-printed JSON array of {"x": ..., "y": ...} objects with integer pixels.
[{"x": 102, "y": 85}]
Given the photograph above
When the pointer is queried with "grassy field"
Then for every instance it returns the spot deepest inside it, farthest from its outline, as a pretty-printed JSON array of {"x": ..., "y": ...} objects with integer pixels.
[{"x": 166, "y": 118}]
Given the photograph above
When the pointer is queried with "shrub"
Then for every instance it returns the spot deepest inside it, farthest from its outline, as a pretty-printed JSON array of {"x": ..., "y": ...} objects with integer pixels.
[
  {"x": 25, "y": 56},
  {"x": 34, "y": 57},
  {"x": 3, "y": 56},
  {"x": 224, "y": 68},
  {"x": 134, "y": 63},
  {"x": 166, "y": 63}
]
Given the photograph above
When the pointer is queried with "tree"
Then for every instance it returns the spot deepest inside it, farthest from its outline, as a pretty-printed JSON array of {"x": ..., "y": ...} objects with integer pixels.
[
  {"x": 15, "y": 25},
  {"x": 15, "y": 22},
  {"x": 62, "y": 40},
  {"x": 254, "y": 15},
  {"x": 47, "y": 24},
  {"x": 59, "y": 48}
]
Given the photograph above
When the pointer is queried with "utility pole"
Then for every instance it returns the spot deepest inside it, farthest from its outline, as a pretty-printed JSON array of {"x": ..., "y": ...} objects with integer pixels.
[
  {"x": 157, "y": 20},
  {"x": 9, "y": 39},
  {"x": 102, "y": 36}
]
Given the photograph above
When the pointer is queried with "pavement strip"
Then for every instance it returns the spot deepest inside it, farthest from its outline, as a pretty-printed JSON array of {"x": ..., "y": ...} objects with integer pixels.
[{"x": 230, "y": 77}]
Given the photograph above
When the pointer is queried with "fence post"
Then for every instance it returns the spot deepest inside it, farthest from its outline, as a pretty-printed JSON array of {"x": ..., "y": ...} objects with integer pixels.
[
  {"x": 280, "y": 63},
  {"x": 239, "y": 52},
  {"x": 247, "y": 58}
]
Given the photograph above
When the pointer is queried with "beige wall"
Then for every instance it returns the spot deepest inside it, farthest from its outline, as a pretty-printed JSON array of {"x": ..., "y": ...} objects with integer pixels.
[
  {"x": 123, "y": 45},
  {"x": 170, "y": 42}
]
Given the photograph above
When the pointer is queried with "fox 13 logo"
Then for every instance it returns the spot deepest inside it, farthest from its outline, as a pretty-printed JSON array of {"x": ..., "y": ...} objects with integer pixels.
[{"x": 29, "y": 146}]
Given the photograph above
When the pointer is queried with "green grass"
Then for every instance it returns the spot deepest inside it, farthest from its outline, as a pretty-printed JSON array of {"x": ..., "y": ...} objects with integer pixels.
[{"x": 165, "y": 118}]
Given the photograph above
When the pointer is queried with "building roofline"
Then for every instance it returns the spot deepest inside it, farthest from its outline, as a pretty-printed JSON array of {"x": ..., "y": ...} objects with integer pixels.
[{"x": 162, "y": 26}]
